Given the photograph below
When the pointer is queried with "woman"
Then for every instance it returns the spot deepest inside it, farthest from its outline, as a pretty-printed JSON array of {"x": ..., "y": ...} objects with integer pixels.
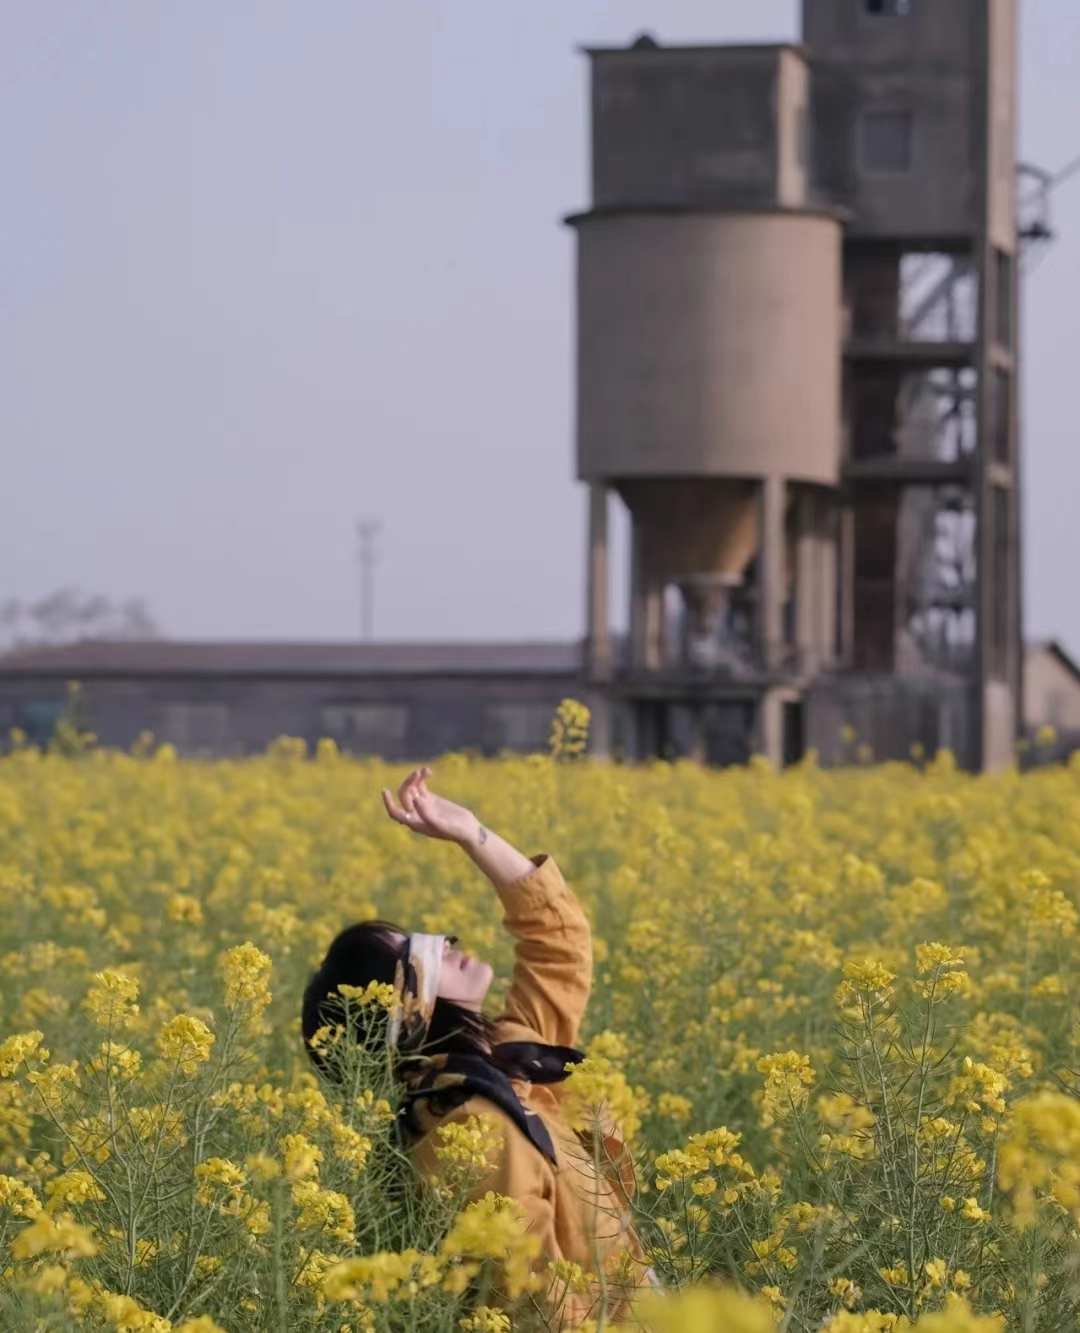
[{"x": 455, "y": 1062}]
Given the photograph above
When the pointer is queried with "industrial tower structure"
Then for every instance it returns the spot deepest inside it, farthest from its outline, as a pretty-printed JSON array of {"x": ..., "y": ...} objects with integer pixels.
[{"x": 797, "y": 367}]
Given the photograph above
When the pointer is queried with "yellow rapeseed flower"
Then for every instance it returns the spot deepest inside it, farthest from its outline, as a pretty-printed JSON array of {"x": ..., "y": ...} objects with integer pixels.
[
  {"x": 18, "y": 1198},
  {"x": 73, "y": 1187},
  {"x": 17, "y": 1050},
  {"x": 185, "y": 1042},
  {"x": 245, "y": 970},
  {"x": 110, "y": 1001},
  {"x": 49, "y": 1234}
]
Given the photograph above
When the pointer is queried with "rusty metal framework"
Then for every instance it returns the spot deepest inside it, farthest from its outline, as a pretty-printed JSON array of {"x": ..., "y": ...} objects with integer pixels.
[{"x": 914, "y": 405}]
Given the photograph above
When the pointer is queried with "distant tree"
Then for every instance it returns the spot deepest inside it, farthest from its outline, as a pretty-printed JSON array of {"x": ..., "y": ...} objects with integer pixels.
[{"x": 68, "y": 616}]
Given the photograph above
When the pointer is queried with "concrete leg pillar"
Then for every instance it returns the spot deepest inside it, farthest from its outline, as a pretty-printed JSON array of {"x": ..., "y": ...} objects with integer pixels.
[
  {"x": 598, "y": 662},
  {"x": 654, "y": 626},
  {"x": 771, "y": 726},
  {"x": 807, "y": 585},
  {"x": 646, "y": 612},
  {"x": 698, "y": 748},
  {"x": 598, "y": 703},
  {"x": 637, "y": 601},
  {"x": 597, "y": 621},
  {"x": 771, "y": 573}
]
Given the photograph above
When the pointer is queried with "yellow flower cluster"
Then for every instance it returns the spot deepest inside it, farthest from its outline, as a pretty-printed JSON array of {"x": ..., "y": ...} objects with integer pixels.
[
  {"x": 380, "y": 993},
  {"x": 788, "y": 1077},
  {"x": 245, "y": 969},
  {"x": 111, "y": 999},
  {"x": 570, "y": 730},
  {"x": 470, "y": 1144},
  {"x": 17, "y": 1050},
  {"x": 1041, "y": 1152},
  {"x": 185, "y": 1042},
  {"x": 703, "y": 1153},
  {"x": 597, "y": 1090}
]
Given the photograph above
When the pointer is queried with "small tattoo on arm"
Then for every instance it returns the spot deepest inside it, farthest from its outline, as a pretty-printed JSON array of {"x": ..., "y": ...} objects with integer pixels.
[{"x": 481, "y": 834}]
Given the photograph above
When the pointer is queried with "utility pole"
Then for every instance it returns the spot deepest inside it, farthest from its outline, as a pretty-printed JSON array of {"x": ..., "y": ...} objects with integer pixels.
[{"x": 368, "y": 530}]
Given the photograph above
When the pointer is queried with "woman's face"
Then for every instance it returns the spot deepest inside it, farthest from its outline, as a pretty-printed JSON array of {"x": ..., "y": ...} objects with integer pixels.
[{"x": 464, "y": 980}]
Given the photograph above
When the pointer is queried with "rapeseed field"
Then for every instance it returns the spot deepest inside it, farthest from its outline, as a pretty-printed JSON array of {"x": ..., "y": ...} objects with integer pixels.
[{"x": 836, "y": 1013}]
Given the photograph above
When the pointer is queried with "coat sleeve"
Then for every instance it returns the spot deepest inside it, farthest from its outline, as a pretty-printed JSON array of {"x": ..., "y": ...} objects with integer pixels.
[{"x": 552, "y": 974}]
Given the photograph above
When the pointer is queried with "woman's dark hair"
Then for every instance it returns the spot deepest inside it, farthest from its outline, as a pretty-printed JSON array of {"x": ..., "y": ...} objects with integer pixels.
[{"x": 368, "y": 952}]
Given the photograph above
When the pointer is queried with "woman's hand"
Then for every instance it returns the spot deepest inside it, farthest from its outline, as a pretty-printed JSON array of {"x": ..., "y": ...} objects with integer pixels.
[
  {"x": 424, "y": 812},
  {"x": 436, "y": 817}
]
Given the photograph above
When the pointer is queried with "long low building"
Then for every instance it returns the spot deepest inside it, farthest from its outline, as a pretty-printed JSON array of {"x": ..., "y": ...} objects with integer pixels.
[
  {"x": 1052, "y": 692},
  {"x": 406, "y": 700},
  {"x": 410, "y": 701}
]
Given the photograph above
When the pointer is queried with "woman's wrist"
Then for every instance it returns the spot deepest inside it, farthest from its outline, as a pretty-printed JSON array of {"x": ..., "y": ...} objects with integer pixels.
[
  {"x": 502, "y": 863},
  {"x": 475, "y": 836}
]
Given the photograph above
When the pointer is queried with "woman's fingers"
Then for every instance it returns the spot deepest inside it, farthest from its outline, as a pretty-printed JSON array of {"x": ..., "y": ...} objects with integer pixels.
[
  {"x": 411, "y": 790},
  {"x": 395, "y": 811},
  {"x": 408, "y": 790}
]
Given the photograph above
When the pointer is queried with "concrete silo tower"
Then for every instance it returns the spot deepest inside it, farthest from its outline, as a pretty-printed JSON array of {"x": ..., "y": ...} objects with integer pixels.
[
  {"x": 709, "y": 355},
  {"x": 796, "y": 358}
]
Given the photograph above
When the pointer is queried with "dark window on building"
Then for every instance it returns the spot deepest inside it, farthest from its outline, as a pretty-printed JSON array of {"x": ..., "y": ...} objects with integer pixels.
[
  {"x": 39, "y": 719},
  {"x": 1003, "y": 287},
  {"x": 873, "y": 406},
  {"x": 727, "y": 731},
  {"x": 888, "y": 9},
  {"x": 885, "y": 142},
  {"x": 875, "y": 582},
  {"x": 999, "y": 611},
  {"x": 794, "y": 732},
  {"x": 1002, "y": 412},
  {"x": 367, "y": 726}
]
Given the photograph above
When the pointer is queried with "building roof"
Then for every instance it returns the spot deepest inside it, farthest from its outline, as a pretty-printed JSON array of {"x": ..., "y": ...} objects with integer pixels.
[
  {"x": 168, "y": 657},
  {"x": 651, "y": 46},
  {"x": 834, "y": 212},
  {"x": 1055, "y": 649}
]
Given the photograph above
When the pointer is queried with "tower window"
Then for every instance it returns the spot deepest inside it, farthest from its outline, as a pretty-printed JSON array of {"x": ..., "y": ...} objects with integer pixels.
[
  {"x": 885, "y": 142},
  {"x": 888, "y": 9}
]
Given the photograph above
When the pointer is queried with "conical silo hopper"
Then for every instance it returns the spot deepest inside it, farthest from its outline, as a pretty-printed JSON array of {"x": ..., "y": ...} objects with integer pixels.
[
  {"x": 709, "y": 357},
  {"x": 700, "y": 534}
]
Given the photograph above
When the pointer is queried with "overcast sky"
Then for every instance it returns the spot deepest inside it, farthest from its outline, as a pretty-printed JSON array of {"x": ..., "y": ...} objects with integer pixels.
[{"x": 268, "y": 266}]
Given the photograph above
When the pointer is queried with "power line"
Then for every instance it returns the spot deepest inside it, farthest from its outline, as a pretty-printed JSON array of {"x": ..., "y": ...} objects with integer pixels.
[
  {"x": 1045, "y": 181},
  {"x": 1070, "y": 169},
  {"x": 368, "y": 531}
]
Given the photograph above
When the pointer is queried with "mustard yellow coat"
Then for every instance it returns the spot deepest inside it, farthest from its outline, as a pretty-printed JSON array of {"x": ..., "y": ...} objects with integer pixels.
[{"x": 578, "y": 1213}]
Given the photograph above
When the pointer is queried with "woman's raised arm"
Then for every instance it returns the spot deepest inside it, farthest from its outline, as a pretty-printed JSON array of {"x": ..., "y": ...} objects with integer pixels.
[{"x": 553, "y": 960}]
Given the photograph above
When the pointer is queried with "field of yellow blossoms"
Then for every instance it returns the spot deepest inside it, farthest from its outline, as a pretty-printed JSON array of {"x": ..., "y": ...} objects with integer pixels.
[{"x": 835, "y": 1011}]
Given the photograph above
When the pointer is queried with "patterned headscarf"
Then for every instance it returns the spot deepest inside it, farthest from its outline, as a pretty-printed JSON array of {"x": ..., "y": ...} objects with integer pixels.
[{"x": 416, "y": 981}]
